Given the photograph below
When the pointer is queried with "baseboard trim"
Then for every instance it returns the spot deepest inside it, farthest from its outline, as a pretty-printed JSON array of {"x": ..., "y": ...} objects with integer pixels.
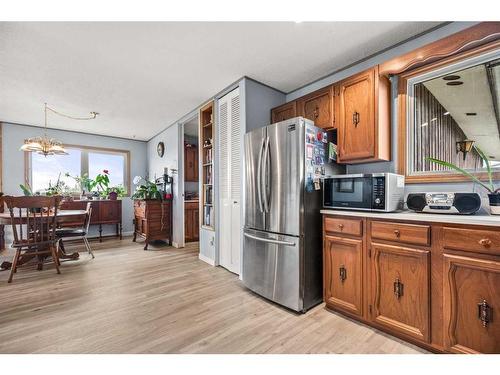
[{"x": 206, "y": 259}]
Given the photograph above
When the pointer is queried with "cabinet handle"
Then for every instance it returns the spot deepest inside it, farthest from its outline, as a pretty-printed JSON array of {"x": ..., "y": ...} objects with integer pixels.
[
  {"x": 316, "y": 112},
  {"x": 484, "y": 313},
  {"x": 486, "y": 242},
  {"x": 397, "y": 233},
  {"x": 342, "y": 273},
  {"x": 355, "y": 118},
  {"x": 341, "y": 227},
  {"x": 398, "y": 288}
]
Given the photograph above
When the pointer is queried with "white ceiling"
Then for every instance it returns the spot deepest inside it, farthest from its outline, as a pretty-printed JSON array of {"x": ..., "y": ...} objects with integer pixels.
[
  {"x": 473, "y": 96},
  {"x": 141, "y": 77}
]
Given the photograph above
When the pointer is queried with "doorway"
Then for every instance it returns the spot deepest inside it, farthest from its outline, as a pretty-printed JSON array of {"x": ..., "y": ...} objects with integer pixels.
[{"x": 191, "y": 181}]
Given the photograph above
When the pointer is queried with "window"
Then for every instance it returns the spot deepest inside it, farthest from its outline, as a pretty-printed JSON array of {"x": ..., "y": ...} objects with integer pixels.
[{"x": 44, "y": 171}]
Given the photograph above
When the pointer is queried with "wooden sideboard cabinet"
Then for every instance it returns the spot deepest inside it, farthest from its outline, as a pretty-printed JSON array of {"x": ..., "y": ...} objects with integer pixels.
[
  {"x": 433, "y": 284},
  {"x": 153, "y": 220},
  {"x": 104, "y": 212},
  {"x": 284, "y": 112}
]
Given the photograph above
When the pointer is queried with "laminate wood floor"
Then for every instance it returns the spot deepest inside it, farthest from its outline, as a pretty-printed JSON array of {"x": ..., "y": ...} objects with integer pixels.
[{"x": 165, "y": 300}]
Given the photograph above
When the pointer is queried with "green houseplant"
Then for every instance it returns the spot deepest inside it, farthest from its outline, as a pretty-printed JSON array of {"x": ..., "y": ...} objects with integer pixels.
[
  {"x": 146, "y": 189},
  {"x": 493, "y": 193}
]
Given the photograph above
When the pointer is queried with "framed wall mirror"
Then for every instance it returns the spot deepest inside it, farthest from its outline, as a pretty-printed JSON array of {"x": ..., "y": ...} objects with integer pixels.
[{"x": 447, "y": 109}]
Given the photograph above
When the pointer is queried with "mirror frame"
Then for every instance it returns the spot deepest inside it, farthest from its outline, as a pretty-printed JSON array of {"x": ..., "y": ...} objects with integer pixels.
[{"x": 403, "y": 116}]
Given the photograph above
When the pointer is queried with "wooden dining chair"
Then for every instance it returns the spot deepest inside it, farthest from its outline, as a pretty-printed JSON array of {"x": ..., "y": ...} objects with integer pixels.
[
  {"x": 34, "y": 222},
  {"x": 75, "y": 233}
]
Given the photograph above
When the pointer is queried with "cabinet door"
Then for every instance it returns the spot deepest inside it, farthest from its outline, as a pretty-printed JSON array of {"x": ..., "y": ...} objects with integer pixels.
[
  {"x": 318, "y": 107},
  {"x": 471, "y": 305},
  {"x": 357, "y": 117},
  {"x": 190, "y": 163},
  {"x": 400, "y": 282},
  {"x": 284, "y": 112},
  {"x": 343, "y": 275},
  {"x": 109, "y": 211}
]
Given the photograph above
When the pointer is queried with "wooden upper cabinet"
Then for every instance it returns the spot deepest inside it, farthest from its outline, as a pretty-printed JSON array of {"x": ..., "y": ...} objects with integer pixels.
[
  {"x": 284, "y": 112},
  {"x": 318, "y": 106},
  {"x": 343, "y": 274},
  {"x": 400, "y": 295},
  {"x": 471, "y": 304},
  {"x": 191, "y": 163},
  {"x": 364, "y": 118}
]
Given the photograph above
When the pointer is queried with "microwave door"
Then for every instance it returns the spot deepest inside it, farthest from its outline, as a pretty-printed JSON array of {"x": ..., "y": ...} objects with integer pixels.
[
  {"x": 254, "y": 152},
  {"x": 351, "y": 192}
]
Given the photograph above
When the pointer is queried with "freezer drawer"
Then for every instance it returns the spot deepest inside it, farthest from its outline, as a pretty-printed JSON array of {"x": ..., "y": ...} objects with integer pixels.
[{"x": 272, "y": 267}]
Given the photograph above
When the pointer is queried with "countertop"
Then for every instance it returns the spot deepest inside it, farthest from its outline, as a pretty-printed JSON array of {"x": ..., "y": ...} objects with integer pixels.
[
  {"x": 480, "y": 218},
  {"x": 192, "y": 200}
]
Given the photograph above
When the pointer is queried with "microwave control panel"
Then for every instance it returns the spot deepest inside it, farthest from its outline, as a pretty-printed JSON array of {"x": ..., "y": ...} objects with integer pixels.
[{"x": 378, "y": 196}]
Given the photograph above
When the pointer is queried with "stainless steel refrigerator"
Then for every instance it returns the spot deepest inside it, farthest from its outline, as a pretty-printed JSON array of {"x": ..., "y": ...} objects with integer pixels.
[{"x": 282, "y": 237}]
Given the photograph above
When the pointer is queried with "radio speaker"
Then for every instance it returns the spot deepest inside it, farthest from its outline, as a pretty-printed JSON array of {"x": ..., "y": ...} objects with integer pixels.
[
  {"x": 416, "y": 202},
  {"x": 467, "y": 203}
]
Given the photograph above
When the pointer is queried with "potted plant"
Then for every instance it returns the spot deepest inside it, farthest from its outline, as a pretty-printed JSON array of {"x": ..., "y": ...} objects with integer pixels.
[
  {"x": 114, "y": 192},
  {"x": 493, "y": 194},
  {"x": 146, "y": 190},
  {"x": 86, "y": 184},
  {"x": 102, "y": 183}
]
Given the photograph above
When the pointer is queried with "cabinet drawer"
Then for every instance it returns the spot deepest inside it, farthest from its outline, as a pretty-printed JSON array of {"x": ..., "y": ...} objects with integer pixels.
[
  {"x": 343, "y": 225},
  {"x": 405, "y": 233},
  {"x": 473, "y": 240}
]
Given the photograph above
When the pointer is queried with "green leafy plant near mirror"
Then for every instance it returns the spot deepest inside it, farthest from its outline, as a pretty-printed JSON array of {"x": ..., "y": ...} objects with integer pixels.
[
  {"x": 145, "y": 190},
  {"x": 493, "y": 193}
]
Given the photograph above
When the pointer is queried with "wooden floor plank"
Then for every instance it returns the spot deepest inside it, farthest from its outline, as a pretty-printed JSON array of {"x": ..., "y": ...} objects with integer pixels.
[{"x": 165, "y": 300}]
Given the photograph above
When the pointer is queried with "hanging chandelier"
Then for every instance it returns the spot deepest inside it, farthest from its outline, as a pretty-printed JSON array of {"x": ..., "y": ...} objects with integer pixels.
[{"x": 49, "y": 146}]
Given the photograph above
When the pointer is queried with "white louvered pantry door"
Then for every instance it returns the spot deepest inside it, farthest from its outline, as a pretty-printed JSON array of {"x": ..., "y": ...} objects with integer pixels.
[{"x": 230, "y": 164}]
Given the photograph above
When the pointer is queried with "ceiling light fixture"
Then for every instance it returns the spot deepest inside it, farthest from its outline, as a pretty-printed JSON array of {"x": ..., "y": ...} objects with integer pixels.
[
  {"x": 454, "y": 83},
  {"x": 451, "y": 77},
  {"x": 49, "y": 146}
]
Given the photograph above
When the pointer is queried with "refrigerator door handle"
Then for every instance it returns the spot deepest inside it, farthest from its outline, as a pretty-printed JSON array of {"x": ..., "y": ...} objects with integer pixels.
[
  {"x": 268, "y": 240},
  {"x": 266, "y": 183},
  {"x": 259, "y": 176}
]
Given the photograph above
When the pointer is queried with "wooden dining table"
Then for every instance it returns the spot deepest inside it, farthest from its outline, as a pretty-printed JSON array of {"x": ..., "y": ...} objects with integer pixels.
[{"x": 63, "y": 216}]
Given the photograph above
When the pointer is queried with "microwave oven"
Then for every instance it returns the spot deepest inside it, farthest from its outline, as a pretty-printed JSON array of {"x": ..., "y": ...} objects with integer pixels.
[{"x": 367, "y": 192}]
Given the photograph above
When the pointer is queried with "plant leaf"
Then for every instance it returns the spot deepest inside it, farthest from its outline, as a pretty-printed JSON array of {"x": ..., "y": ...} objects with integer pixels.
[
  {"x": 463, "y": 171},
  {"x": 488, "y": 166}
]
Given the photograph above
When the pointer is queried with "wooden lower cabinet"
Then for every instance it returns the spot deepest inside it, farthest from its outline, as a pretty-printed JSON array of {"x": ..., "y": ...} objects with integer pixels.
[
  {"x": 400, "y": 289},
  {"x": 471, "y": 304},
  {"x": 343, "y": 263},
  {"x": 104, "y": 212},
  {"x": 153, "y": 220},
  {"x": 191, "y": 221},
  {"x": 415, "y": 280}
]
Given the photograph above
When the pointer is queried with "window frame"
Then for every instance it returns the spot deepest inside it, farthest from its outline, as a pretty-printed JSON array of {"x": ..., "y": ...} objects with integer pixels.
[{"x": 84, "y": 165}]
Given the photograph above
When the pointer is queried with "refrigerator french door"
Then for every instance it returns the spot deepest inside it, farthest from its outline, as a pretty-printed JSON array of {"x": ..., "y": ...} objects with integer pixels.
[
  {"x": 282, "y": 253},
  {"x": 275, "y": 165}
]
